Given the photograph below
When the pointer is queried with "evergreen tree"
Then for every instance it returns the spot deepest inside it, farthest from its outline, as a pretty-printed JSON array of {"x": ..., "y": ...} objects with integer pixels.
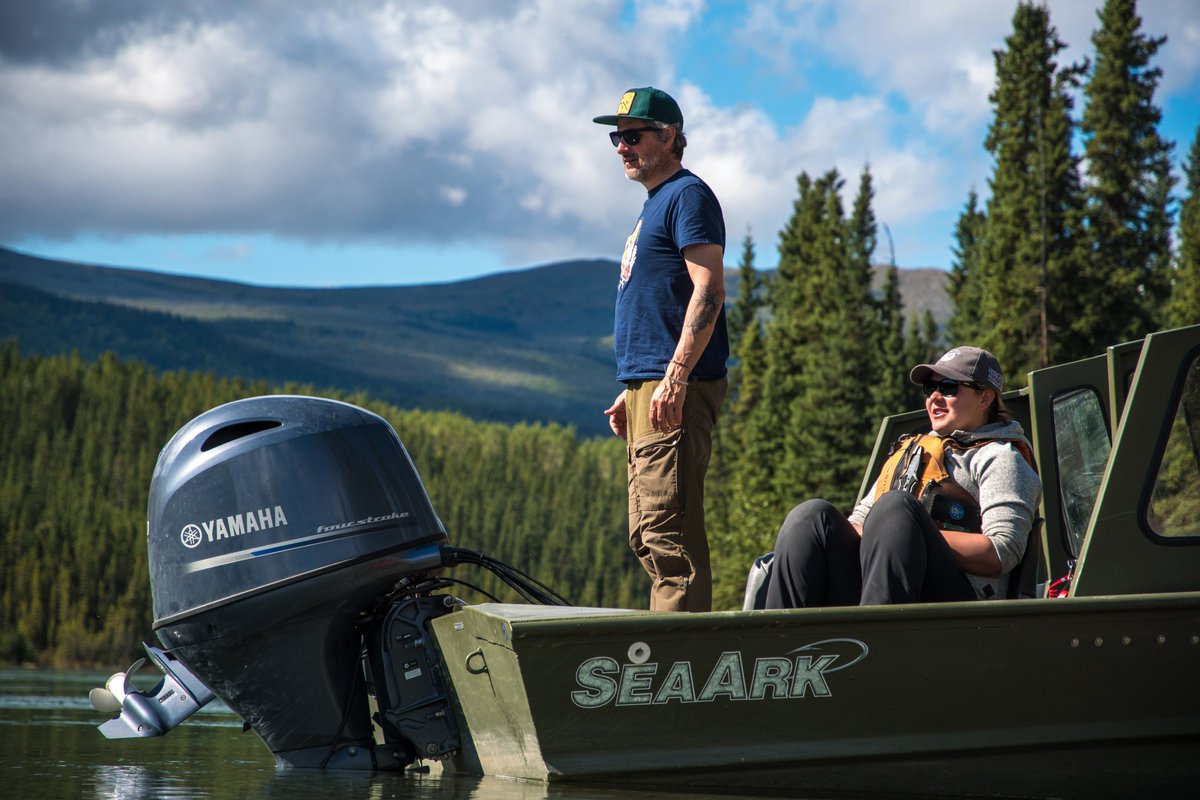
[
  {"x": 752, "y": 367},
  {"x": 1129, "y": 184},
  {"x": 749, "y": 297},
  {"x": 1158, "y": 229},
  {"x": 863, "y": 232},
  {"x": 1028, "y": 264},
  {"x": 816, "y": 362},
  {"x": 921, "y": 346},
  {"x": 888, "y": 393},
  {"x": 883, "y": 332},
  {"x": 889, "y": 348},
  {"x": 885, "y": 317},
  {"x": 746, "y": 512},
  {"x": 1184, "y": 306},
  {"x": 963, "y": 282},
  {"x": 744, "y": 374},
  {"x": 807, "y": 376},
  {"x": 770, "y": 380}
]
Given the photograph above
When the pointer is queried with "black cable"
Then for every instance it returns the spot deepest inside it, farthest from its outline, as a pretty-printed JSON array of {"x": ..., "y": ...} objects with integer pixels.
[
  {"x": 528, "y": 587},
  {"x": 474, "y": 588},
  {"x": 516, "y": 585},
  {"x": 545, "y": 591}
]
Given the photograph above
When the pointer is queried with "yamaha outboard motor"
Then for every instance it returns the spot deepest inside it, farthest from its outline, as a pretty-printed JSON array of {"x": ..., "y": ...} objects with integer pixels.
[{"x": 278, "y": 529}]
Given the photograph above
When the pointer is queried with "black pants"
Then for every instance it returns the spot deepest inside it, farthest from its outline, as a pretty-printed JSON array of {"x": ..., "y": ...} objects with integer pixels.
[{"x": 901, "y": 558}]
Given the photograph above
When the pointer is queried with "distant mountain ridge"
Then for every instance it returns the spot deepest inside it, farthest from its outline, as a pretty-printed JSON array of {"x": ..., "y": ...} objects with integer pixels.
[{"x": 530, "y": 345}]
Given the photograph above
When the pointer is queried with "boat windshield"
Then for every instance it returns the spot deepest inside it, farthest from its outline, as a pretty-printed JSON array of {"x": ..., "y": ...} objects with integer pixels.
[
  {"x": 1081, "y": 445},
  {"x": 1174, "y": 510}
]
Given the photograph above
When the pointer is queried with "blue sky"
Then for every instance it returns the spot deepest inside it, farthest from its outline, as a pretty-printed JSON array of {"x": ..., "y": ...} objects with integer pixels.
[{"x": 367, "y": 142}]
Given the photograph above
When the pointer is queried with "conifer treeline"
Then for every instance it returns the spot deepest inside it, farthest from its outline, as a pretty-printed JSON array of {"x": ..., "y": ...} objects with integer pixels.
[
  {"x": 1073, "y": 249},
  {"x": 1049, "y": 268},
  {"x": 74, "y": 580}
]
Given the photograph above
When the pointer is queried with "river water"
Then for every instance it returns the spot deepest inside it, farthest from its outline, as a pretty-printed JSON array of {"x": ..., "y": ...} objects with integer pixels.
[{"x": 50, "y": 748}]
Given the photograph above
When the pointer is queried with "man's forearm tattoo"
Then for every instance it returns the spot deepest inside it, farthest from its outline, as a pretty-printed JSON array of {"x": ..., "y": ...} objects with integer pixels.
[{"x": 705, "y": 308}]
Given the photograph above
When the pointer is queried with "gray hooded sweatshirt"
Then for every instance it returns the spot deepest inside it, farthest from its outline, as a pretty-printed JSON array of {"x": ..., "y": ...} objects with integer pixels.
[{"x": 1007, "y": 489}]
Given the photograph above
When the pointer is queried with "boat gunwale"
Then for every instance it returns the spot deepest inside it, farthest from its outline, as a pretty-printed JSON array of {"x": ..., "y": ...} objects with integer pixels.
[{"x": 548, "y": 622}]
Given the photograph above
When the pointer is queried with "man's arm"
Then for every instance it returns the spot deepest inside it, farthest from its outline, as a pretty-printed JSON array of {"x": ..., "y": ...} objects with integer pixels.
[{"x": 705, "y": 265}]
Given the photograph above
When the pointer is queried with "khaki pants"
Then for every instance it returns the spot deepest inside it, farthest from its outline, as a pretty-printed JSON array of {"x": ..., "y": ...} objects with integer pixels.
[{"x": 666, "y": 494}]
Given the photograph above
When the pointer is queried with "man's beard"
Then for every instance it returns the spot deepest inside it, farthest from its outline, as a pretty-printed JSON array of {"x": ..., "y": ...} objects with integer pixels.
[{"x": 647, "y": 167}]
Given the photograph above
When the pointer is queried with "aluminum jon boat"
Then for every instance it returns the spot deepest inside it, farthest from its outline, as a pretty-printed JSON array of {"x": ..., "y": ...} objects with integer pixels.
[{"x": 295, "y": 563}]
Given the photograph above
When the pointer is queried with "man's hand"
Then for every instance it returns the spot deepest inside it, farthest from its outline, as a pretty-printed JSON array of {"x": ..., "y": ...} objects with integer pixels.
[
  {"x": 616, "y": 416},
  {"x": 666, "y": 406}
]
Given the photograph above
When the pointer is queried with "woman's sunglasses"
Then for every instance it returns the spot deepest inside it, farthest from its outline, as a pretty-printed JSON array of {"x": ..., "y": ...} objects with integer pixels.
[
  {"x": 631, "y": 136},
  {"x": 947, "y": 388}
]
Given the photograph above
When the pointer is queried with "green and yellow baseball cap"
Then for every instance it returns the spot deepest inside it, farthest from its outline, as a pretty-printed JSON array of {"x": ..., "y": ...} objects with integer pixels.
[{"x": 645, "y": 103}]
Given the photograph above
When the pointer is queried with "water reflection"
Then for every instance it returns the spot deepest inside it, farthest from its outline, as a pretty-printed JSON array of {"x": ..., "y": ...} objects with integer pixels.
[
  {"x": 184, "y": 780},
  {"x": 130, "y": 781},
  {"x": 53, "y": 750}
]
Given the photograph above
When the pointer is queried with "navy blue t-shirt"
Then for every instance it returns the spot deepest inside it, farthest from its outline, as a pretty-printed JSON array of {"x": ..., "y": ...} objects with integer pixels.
[{"x": 655, "y": 288}]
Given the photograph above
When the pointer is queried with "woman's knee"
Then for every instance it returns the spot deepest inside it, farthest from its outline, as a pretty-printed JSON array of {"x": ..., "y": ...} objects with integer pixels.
[
  {"x": 895, "y": 505},
  {"x": 896, "y": 500},
  {"x": 894, "y": 517},
  {"x": 804, "y": 518},
  {"x": 809, "y": 510}
]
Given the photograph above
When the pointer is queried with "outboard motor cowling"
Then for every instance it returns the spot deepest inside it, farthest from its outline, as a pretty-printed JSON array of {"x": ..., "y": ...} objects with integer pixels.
[{"x": 274, "y": 524}]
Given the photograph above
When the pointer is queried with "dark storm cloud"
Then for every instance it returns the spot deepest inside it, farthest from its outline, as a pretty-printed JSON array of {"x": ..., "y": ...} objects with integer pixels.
[
  {"x": 414, "y": 123},
  {"x": 66, "y": 31},
  {"x": 469, "y": 121}
]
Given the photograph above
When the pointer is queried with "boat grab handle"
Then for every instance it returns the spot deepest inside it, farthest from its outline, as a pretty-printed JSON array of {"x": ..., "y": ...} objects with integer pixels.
[{"x": 482, "y": 664}]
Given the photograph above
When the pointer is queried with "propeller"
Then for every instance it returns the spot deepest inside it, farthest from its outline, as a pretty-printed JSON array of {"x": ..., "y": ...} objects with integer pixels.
[
  {"x": 140, "y": 713},
  {"x": 110, "y": 697},
  {"x": 103, "y": 700}
]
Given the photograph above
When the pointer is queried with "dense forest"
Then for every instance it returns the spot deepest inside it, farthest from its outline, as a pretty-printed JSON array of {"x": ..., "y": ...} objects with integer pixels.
[
  {"x": 74, "y": 580},
  {"x": 1068, "y": 253},
  {"x": 1081, "y": 241}
]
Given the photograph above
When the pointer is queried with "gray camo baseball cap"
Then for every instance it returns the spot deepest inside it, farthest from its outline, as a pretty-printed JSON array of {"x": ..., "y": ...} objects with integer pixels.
[{"x": 968, "y": 364}]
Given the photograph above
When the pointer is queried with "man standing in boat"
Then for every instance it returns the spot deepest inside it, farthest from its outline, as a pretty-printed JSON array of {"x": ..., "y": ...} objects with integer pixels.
[{"x": 671, "y": 347}]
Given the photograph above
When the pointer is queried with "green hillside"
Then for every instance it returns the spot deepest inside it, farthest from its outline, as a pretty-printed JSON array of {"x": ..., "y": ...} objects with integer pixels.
[
  {"x": 533, "y": 345},
  {"x": 530, "y": 345}
]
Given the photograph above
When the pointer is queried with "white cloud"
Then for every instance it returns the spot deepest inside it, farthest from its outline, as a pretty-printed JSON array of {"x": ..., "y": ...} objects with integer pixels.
[
  {"x": 454, "y": 195},
  {"x": 343, "y": 127},
  {"x": 469, "y": 121},
  {"x": 669, "y": 14}
]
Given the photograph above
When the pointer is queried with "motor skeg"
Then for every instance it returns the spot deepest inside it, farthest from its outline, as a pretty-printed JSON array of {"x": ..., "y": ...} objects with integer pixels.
[{"x": 274, "y": 523}]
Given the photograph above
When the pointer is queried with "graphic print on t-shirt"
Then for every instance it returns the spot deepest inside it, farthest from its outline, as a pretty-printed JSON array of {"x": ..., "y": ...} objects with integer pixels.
[{"x": 629, "y": 256}]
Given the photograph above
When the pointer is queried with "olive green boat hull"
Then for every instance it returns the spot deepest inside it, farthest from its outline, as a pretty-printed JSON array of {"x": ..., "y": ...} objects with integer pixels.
[
  {"x": 1093, "y": 695},
  {"x": 1085, "y": 697}
]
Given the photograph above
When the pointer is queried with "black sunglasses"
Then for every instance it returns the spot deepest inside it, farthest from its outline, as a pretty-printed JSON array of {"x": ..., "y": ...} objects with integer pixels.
[
  {"x": 947, "y": 388},
  {"x": 631, "y": 136}
]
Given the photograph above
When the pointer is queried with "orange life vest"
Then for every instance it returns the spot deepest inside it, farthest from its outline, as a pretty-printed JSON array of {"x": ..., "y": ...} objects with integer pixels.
[{"x": 917, "y": 464}]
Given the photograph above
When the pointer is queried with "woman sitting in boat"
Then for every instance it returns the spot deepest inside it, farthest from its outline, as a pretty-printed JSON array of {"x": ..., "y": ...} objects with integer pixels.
[{"x": 948, "y": 518}]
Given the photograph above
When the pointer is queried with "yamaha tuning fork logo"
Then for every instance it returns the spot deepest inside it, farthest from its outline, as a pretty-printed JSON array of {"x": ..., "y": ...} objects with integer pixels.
[
  {"x": 233, "y": 525},
  {"x": 191, "y": 536}
]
